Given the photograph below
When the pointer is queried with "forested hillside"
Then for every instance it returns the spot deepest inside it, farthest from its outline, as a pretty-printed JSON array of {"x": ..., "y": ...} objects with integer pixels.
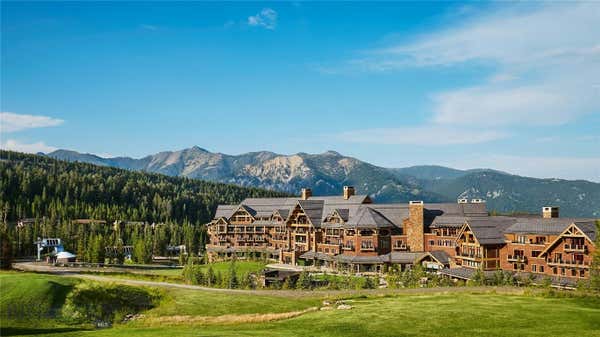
[{"x": 55, "y": 192}]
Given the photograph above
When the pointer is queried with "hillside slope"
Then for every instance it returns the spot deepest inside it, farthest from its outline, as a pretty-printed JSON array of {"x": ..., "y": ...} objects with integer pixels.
[{"x": 327, "y": 172}]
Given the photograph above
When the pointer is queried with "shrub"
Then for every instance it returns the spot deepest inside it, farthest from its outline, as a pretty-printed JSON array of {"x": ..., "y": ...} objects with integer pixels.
[{"x": 107, "y": 303}]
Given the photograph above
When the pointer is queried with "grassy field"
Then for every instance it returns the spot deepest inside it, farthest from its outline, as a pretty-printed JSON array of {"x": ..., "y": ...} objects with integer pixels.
[
  {"x": 240, "y": 266},
  {"x": 186, "y": 312},
  {"x": 176, "y": 275}
]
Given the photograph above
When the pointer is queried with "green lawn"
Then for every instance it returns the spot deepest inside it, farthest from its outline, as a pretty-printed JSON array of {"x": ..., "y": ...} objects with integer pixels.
[
  {"x": 442, "y": 314},
  {"x": 240, "y": 266}
]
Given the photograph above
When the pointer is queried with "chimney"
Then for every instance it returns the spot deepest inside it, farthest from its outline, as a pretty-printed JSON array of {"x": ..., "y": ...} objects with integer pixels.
[
  {"x": 306, "y": 193},
  {"x": 549, "y": 212},
  {"x": 414, "y": 228},
  {"x": 348, "y": 192}
]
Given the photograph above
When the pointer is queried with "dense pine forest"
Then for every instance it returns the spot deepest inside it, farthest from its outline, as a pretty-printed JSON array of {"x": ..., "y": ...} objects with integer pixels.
[{"x": 51, "y": 194}]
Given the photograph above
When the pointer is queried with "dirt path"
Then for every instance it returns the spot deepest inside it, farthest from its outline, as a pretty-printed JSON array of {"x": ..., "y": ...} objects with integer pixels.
[{"x": 78, "y": 273}]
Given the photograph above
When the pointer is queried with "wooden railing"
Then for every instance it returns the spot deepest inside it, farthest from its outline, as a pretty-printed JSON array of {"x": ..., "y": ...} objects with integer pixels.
[
  {"x": 517, "y": 258},
  {"x": 568, "y": 263},
  {"x": 575, "y": 248}
]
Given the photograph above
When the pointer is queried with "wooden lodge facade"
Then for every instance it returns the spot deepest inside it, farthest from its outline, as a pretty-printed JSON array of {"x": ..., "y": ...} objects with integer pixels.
[{"x": 350, "y": 232}]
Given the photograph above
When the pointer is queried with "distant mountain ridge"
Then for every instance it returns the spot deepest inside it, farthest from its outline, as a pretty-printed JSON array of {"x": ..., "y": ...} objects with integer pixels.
[{"x": 327, "y": 172}]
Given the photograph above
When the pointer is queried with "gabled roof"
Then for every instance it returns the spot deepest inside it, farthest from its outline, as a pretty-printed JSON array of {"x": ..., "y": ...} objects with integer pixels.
[
  {"x": 396, "y": 213},
  {"x": 489, "y": 230},
  {"x": 584, "y": 228},
  {"x": 438, "y": 255},
  {"x": 313, "y": 210},
  {"x": 366, "y": 217},
  {"x": 448, "y": 221},
  {"x": 343, "y": 213},
  {"x": 225, "y": 211},
  {"x": 551, "y": 226}
]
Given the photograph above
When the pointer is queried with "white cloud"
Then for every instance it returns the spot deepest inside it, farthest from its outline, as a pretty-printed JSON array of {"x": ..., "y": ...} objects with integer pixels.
[
  {"x": 12, "y": 122},
  {"x": 15, "y": 145},
  {"x": 422, "y": 135},
  {"x": 266, "y": 18},
  {"x": 547, "y": 60}
]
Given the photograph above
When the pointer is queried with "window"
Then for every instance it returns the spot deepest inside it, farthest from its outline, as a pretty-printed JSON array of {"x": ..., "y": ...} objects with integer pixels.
[
  {"x": 541, "y": 269},
  {"x": 563, "y": 271},
  {"x": 554, "y": 270},
  {"x": 573, "y": 272},
  {"x": 521, "y": 238},
  {"x": 431, "y": 242},
  {"x": 515, "y": 266},
  {"x": 535, "y": 253},
  {"x": 581, "y": 273},
  {"x": 534, "y": 268}
]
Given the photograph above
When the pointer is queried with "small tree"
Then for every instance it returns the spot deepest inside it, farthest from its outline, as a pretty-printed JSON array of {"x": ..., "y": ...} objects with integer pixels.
[
  {"x": 478, "y": 278},
  {"x": 369, "y": 283},
  {"x": 233, "y": 280},
  {"x": 595, "y": 268},
  {"x": 304, "y": 280},
  {"x": 211, "y": 278}
]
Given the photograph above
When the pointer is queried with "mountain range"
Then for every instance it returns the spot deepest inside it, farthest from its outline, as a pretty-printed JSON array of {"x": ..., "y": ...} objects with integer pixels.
[{"x": 327, "y": 172}]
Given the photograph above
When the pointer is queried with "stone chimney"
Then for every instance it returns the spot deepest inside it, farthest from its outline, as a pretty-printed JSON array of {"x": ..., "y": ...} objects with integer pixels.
[
  {"x": 348, "y": 192},
  {"x": 549, "y": 212},
  {"x": 415, "y": 226},
  {"x": 305, "y": 193}
]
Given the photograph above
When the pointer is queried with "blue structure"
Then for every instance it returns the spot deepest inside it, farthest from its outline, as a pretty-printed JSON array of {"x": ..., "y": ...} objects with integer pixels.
[{"x": 48, "y": 243}]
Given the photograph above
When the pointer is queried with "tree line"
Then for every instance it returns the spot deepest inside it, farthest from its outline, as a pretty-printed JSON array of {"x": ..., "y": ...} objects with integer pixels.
[{"x": 52, "y": 193}]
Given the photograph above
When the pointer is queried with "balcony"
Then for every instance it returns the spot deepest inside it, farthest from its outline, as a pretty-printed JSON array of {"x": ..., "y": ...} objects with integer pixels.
[
  {"x": 517, "y": 258},
  {"x": 575, "y": 248},
  {"x": 399, "y": 247},
  {"x": 568, "y": 263},
  {"x": 466, "y": 255}
]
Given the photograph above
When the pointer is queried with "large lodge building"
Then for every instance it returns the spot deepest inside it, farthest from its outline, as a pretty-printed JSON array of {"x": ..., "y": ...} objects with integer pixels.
[{"x": 350, "y": 232}]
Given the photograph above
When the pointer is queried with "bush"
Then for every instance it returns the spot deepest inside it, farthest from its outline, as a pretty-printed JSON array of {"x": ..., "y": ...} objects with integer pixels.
[
  {"x": 304, "y": 281},
  {"x": 105, "y": 304}
]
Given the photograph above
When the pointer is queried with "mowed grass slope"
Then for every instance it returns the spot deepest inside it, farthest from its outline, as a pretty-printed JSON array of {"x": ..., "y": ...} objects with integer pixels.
[
  {"x": 442, "y": 314},
  {"x": 26, "y": 295},
  {"x": 431, "y": 315}
]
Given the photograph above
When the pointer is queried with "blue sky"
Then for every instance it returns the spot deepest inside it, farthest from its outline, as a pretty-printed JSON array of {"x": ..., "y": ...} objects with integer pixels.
[{"x": 514, "y": 87}]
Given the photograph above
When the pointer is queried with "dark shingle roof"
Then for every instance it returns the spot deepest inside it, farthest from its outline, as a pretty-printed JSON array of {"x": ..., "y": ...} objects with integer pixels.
[
  {"x": 366, "y": 217},
  {"x": 225, "y": 211},
  {"x": 441, "y": 256},
  {"x": 552, "y": 226},
  {"x": 490, "y": 230},
  {"x": 313, "y": 210},
  {"x": 401, "y": 257}
]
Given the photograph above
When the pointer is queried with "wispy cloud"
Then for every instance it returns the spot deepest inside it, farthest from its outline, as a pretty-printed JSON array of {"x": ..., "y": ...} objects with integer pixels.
[
  {"x": 266, "y": 18},
  {"x": 547, "y": 66},
  {"x": 548, "y": 61},
  {"x": 15, "y": 145},
  {"x": 432, "y": 135},
  {"x": 12, "y": 122}
]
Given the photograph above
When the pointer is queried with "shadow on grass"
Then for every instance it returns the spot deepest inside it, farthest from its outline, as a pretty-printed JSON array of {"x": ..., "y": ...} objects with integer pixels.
[{"x": 23, "y": 331}]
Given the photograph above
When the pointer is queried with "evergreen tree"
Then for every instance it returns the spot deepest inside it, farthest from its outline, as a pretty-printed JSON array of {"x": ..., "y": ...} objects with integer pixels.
[
  {"x": 211, "y": 278},
  {"x": 595, "y": 267},
  {"x": 304, "y": 280},
  {"x": 233, "y": 280},
  {"x": 6, "y": 249},
  {"x": 369, "y": 283}
]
